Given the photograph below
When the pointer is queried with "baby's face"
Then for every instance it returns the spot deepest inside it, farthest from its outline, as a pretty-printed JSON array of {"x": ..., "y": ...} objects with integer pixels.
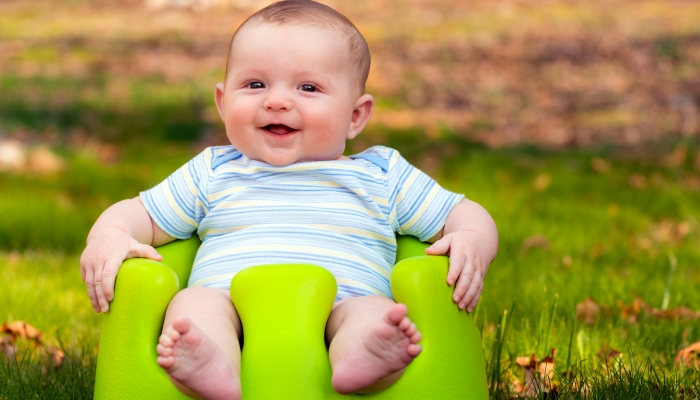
[{"x": 290, "y": 95}]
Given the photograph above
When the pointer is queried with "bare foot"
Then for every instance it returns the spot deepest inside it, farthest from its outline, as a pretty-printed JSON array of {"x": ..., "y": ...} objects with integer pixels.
[
  {"x": 387, "y": 347},
  {"x": 194, "y": 361}
]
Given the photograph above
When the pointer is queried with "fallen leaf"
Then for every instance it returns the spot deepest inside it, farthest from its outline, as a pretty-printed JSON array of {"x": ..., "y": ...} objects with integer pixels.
[
  {"x": 600, "y": 166},
  {"x": 7, "y": 347},
  {"x": 534, "y": 241},
  {"x": 44, "y": 161},
  {"x": 12, "y": 155},
  {"x": 606, "y": 353},
  {"x": 536, "y": 383},
  {"x": 631, "y": 312},
  {"x": 546, "y": 368},
  {"x": 587, "y": 311},
  {"x": 677, "y": 158},
  {"x": 23, "y": 330},
  {"x": 526, "y": 362},
  {"x": 542, "y": 182},
  {"x": 675, "y": 313},
  {"x": 637, "y": 181},
  {"x": 628, "y": 312},
  {"x": 689, "y": 355},
  {"x": 56, "y": 355}
]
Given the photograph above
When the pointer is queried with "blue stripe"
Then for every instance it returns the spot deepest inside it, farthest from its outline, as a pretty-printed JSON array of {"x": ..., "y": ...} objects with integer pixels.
[{"x": 239, "y": 203}]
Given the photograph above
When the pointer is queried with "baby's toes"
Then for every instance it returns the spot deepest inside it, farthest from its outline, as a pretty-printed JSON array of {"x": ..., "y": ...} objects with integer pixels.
[
  {"x": 413, "y": 349},
  {"x": 396, "y": 314},
  {"x": 173, "y": 333},
  {"x": 164, "y": 351},
  {"x": 166, "y": 340},
  {"x": 416, "y": 337},
  {"x": 165, "y": 362},
  {"x": 405, "y": 324},
  {"x": 411, "y": 330}
]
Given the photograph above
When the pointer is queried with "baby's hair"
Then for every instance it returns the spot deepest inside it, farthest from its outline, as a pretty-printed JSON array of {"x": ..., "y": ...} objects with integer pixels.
[{"x": 312, "y": 13}]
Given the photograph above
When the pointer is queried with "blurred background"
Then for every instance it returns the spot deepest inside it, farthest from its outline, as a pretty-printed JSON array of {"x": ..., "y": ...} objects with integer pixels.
[
  {"x": 552, "y": 73},
  {"x": 574, "y": 122}
]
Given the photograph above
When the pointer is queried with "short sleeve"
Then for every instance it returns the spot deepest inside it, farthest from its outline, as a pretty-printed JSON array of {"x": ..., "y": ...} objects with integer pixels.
[
  {"x": 178, "y": 204},
  {"x": 419, "y": 206}
]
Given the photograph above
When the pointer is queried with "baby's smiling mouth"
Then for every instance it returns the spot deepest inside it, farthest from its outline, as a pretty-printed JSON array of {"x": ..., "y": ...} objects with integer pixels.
[{"x": 279, "y": 129}]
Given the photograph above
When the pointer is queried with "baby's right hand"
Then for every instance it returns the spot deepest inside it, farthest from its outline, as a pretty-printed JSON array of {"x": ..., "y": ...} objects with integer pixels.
[{"x": 105, "y": 251}]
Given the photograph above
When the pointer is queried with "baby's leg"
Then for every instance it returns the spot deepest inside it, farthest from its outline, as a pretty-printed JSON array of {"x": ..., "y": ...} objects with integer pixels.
[
  {"x": 199, "y": 346},
  {"x": 371, "y": 343}
]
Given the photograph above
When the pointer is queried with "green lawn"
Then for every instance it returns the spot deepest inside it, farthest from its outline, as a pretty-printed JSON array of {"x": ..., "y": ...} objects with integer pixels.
[{"x": 609, "y": 223}]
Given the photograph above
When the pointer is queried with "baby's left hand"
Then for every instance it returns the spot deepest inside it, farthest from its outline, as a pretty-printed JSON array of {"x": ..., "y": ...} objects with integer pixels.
[{"x": 469, "y": 261}]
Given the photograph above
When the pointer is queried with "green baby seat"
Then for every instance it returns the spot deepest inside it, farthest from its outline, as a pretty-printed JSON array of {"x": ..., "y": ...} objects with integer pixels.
[{"x": 284, "y": 309}]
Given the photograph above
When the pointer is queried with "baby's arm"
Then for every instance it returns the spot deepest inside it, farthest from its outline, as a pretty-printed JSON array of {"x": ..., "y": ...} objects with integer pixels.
[
  {"x": 125, "y": 230},
  {"x": 471, "y": 239}
]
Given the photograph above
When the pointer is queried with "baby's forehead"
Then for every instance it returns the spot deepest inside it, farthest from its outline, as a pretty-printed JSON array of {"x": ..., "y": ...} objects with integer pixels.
[
  {"x": 286, "y": 28},
  {"x": 271, "y": 40},
  {"x": 260, "y": 33}
]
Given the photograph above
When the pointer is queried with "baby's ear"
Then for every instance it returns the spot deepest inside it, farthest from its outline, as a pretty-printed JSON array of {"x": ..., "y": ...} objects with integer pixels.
[
  {"x": 219, "y": 99},
  {"x": 360, "y": 115}
]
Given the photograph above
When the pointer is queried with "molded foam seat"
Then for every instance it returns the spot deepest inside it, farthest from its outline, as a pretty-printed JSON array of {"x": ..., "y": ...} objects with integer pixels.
[{"x": 284, "y": 309}]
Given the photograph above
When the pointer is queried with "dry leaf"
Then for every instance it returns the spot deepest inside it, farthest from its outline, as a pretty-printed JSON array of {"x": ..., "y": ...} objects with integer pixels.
[
  {"x": 628, "y": 312},
  {"x": 677, "y": 158},
  {"x": 689, "y": 355},
  {"x": 7, "y": 347},
  {"x": 600, "y": 166},
  {"x": 526, "y": 362},
  {"x": 12, "y": 155},
  {"x": 542, "y": 182},
  {"x": 566, "y": 260},
  {"x": 606, "y": 354},
  {"x": 44, "y": 161},
  {"x": 637, "y": 181},
  {"x": 57, "y": 356},
  {"x": 534, "y": 241},
  {"x": 540, "y": 383},
  {"x": 675, "y": 313},
  {"x": 23, "y": 330},
  {"x": 587, "y": 311},
  {"x": 631, "y": 312}
]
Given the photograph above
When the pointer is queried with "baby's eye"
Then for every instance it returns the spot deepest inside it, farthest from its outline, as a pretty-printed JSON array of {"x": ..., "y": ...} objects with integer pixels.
[
  {"x": 256, "y": 85},
  {"x": 307, "y": 87}
]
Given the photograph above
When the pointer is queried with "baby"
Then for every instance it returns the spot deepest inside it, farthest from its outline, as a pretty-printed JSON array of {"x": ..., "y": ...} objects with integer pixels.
[{"x": 283, "y": 192}]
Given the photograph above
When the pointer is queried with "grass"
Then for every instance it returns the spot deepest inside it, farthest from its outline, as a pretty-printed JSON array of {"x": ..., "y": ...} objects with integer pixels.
[
  {"x": 601, "y": 222},
  {"x": 604, "y": 238}
]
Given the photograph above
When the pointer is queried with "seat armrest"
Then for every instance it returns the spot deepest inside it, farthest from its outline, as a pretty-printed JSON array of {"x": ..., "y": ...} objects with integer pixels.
[
  {"x": 452, "y": 359},
  {"x": 179, "y": 256},
  {"x": 126, "y": 365}
]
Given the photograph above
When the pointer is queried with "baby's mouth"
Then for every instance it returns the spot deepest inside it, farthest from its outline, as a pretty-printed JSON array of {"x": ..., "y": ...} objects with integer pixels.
[{"x": 279, "y": 129}]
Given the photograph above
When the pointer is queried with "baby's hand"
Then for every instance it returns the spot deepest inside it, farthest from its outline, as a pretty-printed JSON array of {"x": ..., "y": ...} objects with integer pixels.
[
  {"x": 468, "y": 265},
  {"x": 106, "y": 250}
]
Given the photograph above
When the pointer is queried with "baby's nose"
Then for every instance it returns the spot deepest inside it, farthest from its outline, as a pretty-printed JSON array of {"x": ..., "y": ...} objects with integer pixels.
[{"x": 277, "y": 100}]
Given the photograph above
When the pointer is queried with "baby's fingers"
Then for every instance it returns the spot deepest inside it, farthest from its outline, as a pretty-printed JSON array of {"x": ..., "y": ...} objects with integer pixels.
[
  {"x": 466, "y": 276},
  {"x": 99, "y": 291},
  {"x": 109, "y": 276},
  {"x": 440, "y": 247},
  {"x": 458, "y": 263},
  {"x": 137, "y": 249},
  {"x": 89, "y": 277},
  {"x": 472, "y": 297}
]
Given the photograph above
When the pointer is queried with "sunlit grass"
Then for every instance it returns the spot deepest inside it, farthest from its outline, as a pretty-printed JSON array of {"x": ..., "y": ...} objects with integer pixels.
[{"x": 603, "y": 241}]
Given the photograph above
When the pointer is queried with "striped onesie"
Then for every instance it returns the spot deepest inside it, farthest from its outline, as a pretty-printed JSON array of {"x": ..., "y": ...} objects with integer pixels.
[{"x": 342, "y": 215}]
